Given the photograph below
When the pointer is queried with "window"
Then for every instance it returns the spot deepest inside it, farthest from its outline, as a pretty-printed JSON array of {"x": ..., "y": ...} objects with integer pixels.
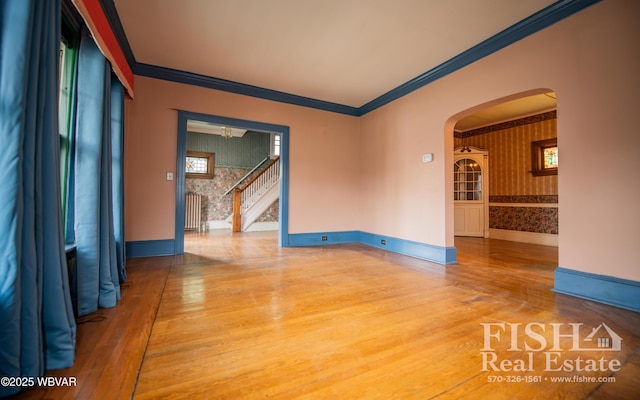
[
  {"x": 66, "y": 117},
  {"x": 199, "y": 165},
  {"x": 275, "y": 145},
  {"x": 550, "y": 155},
  {"x": 544, "y": 157},
  {"x": 604, "y": 342}
]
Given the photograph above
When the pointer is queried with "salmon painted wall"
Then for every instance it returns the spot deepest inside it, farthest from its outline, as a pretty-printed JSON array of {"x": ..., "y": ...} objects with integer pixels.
[
  {"x": 324, "y": 150},
  {"x": 366, "y": 173},
  {"x": 591, "y": 61}
]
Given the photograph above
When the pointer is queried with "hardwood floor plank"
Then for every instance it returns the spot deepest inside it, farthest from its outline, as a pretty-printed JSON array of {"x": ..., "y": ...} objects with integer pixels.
[
  {"x": 352, "y": 322},
  {"x": 238, "y": 317},
  {"x": 111, "y": 342}
]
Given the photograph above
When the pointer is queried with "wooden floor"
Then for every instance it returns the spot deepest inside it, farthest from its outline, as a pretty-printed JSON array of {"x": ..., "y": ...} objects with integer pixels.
[{"x": 237, "y": 317}]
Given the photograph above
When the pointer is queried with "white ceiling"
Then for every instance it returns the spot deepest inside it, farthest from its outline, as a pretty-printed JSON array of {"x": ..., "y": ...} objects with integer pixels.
[
  {"x": 347, "y": 52},
  {"x": 522, "y": 107},
  {"x": 213, "y": 129}
]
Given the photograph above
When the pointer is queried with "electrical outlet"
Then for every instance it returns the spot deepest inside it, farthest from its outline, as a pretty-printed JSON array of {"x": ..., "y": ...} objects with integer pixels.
[
  {"x": 324, "y": 238},
  {"x": 383, "y": 242}
]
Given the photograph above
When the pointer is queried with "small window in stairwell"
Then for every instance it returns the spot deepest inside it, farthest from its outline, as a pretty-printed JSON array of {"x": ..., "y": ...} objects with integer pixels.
[
  {"x": 199, "y": 165},
  {"x": 275, "y": 145}
]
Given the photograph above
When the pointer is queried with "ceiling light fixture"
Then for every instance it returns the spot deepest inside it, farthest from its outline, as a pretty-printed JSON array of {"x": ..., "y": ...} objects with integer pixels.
[{"x": 225, "y": 132}]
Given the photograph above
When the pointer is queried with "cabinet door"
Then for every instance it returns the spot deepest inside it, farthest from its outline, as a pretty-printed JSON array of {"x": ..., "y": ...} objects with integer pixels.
[{"x": 469, "y": 195}]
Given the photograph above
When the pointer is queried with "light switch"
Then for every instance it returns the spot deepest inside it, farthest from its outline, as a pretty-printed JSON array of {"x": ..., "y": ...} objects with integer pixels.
[
  {"x": 169, "y": 176},
  {"x": 427, "y": 158}
]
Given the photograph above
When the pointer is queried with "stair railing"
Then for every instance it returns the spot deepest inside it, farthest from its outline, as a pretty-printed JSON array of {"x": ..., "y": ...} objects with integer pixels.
[
  {"x": 245, "y": 197},
  {"x": 246, "y": 175}
]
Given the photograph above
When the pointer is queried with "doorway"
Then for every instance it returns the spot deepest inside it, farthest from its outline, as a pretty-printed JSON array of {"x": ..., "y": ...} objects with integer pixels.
[
  {"x": 522, "y": 207},
  {"x": 282, "y": 131},
  {"x": 471, "y": 192}
]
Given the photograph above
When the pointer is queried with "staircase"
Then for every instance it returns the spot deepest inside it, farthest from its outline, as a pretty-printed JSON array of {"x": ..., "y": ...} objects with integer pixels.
[{"x": 250, "y": 201}]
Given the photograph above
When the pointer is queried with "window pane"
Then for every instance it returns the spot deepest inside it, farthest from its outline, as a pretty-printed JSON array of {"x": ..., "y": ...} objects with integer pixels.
[
  {"x": 196, "y": 165},
  {"x": 551, "y": 157},
  {"x": 275, "y": 144},
  {"x": 66, "y": 118},
  {"x": 467, "y": 180}
]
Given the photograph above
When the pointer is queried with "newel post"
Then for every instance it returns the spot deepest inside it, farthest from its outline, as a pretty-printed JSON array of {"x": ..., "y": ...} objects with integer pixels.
[{"x": 237, "y": 199}]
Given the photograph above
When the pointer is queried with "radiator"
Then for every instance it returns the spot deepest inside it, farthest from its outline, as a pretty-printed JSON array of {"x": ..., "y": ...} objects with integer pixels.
[{"x": 192, "y": 211}]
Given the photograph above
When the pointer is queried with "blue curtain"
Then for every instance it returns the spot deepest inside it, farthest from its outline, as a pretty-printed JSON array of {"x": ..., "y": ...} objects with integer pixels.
[
  {"x": 100, "y": 259},
  {"x": 37, "y": 327}
]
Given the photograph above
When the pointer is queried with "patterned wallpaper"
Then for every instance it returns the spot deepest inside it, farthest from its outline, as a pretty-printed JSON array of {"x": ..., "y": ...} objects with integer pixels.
[
  {"x": 524, "y": 219},
  {"x": 234, "y": 157},
  {"x": 510, "y": 158},
  {"x": 509, "y": 146},
  {"x": 216, "y": 206}
]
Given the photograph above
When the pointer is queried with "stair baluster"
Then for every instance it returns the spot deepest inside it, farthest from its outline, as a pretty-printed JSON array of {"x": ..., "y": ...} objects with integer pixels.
[{"x": 244, "y": 198}]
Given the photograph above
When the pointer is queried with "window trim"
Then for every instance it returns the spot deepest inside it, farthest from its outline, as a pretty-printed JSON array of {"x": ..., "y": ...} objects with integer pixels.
[{"x": 537, "y": 157}]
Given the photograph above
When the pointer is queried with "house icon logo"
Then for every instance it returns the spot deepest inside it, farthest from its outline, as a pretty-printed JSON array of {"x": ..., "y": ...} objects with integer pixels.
[{"x": 603, "y": 338}]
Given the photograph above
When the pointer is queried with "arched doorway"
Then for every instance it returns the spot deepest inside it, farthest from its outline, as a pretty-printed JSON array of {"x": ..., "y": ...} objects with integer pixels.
[{"x": 522, "y": 206}]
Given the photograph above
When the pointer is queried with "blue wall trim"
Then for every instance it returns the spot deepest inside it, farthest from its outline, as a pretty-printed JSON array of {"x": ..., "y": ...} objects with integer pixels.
[
  {"x": 438, "y": 254},
  {"x": 150, "y": 248},
  {"x": 315, "y": 239},
  {"x": 423, "y": 251},
  {"x": 110, "y": 12},
  {"x": 610, "y": 290},
  {"x": 534, "y": 23},
  {"x": 189, "y": 78},
  {"x": 183, "y": 117}
]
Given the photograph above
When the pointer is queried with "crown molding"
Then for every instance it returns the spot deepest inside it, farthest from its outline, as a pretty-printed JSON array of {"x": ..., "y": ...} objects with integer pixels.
[
  {"x": 110, "y": 12},
  {"x": 189, "y": 78},
  {"x": 511, "y": 123},
  {"x": 532, "y": 24}
]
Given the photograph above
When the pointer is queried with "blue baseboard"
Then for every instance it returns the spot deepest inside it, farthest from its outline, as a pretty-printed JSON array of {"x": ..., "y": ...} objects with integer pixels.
[
  {"x": 150, "y": 248},
  {"x": 423, "y": 251},
  {"x": 322, "y": 238},
  {"x": 438, "y": 254},
  {"x": 605, "y": 289}
]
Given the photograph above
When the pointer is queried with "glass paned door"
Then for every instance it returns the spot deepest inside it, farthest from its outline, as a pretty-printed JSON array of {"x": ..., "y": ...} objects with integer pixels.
[{"x": 467, "y": 180}]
